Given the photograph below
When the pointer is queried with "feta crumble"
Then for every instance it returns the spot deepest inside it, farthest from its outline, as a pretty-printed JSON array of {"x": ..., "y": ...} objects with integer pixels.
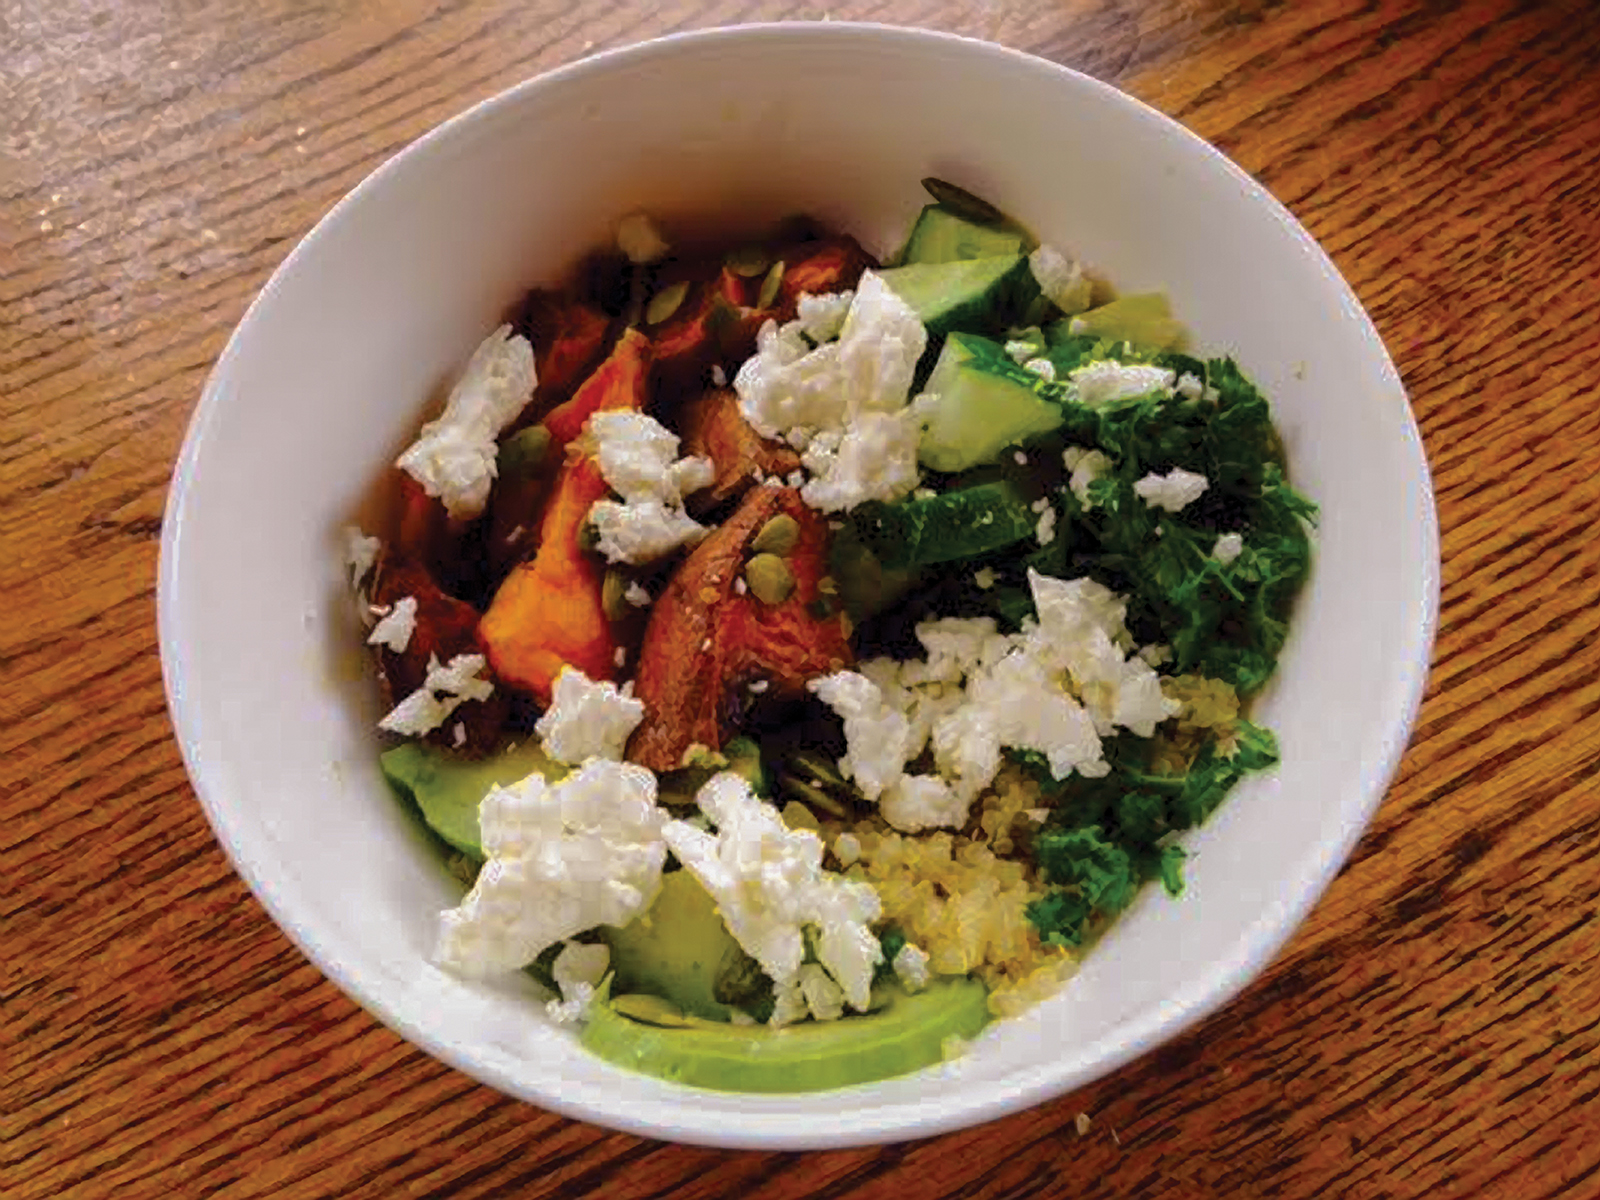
[
  {"x": 843, "y": 403},
  {"x": 444, "y": 689},
  {"x": 561, "y": 858},
  {"x": 719, "y": 377},
  {"x": 1042, "y": 367},
  {"x": 911, "y": 968},
  {"x": 636, "y": 595},
  {"x": 1189, "y": 386},
  {"x": 638, "y": 458},
  {"x": 642, "y": 532},
  {"x": 1228, "y": 547},
  {"x": 1105, "y": 381},
  {"x": 453, "y": 457},
  {"x": 1170, "y": 492},
  {"x": 1045, "y": 531},
  {"x": 770, "y": 886},
  {"x": 1060, "y": 278},
  {"x": 360, "y": 553},
  {"x": 640, "y": 240},
  {"x": 587, "y": 719},
  {"x": 1085, "y": 466},
  {"x": 394, "y": 630},
  {"x": 578, "y": 970},
  {"x": 984, "y": 578}
]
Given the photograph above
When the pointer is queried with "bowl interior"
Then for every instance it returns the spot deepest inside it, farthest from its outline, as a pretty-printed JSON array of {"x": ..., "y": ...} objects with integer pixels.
[{"x": 362, "y": 327}]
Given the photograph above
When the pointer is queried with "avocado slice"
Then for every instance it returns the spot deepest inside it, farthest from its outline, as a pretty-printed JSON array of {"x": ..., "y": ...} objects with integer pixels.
[
  {"x": 906, "y": 1035},
  {"x": 940, "y": 235},
  {"x": 447, "y": 788},
  {"x": 678, "y": 949},
  {"x": 976, "y": 295}
]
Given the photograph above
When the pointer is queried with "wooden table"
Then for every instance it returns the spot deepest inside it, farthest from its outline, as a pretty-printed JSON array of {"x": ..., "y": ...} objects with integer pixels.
[{"x": 1433, "y": 1029}]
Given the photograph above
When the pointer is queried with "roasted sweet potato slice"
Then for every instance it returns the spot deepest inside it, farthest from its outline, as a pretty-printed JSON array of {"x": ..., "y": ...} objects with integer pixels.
[
  {"x": 816, "y": 268},
  {"x": 569, "y": 337},
  {"x": 619, "y": 382},
  {"x": 548, "y": 612},
  {"x": 713, "y": 326},
  {"x": 707, "y": 636},
  {"x": 445, "y": 627},
  {"x": 712, "y": 427}
]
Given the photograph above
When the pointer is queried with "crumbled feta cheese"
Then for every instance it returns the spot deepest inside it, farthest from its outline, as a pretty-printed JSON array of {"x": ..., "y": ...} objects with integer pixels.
[
  {"x": 719, "y": 377},
  {"x": 813, "y": 994},
  {"x": 577, "y": 971},
  {"x": 1172, "y": 491},
  {"x": 1189, "y": 386},
  {"x": 453, "y": 457},
  {"x": 636, "y": 595},
  {"x": 620, "y": 657},
  {"x": 1042, "y": 367},
  {"x": 878, "y": 737},
  {"x": 1156, "y": 654},
  {"x": 444, "y": 689},
  {"x": 1060, "y": 279},
  {"x": 458, "y": 735},
  {"x": 847, "y": 848},
  {"x": 913, "y": 803},
  {"x": 1085, "y": 466},
  {"x": 769, "y": 885},
  {"x": 397, "y": 626},
  {"x": 876, "y": 459},
  {"x": 640, "y": 240},
  {"x": 1020, "y": 352},
  {"x": 1106, "y": 381},
  {"x": 587, "y": 719},
  {"x": 1020, "y": 458},
  {"x": 643, "y": 532},
  {"x": 561, "y": 859},
  {"x": 1227, "y": 548},
  {"x": 984, "y": 577},
  {"x": 796, "y": 479},
  {"x": 1045, "y": 531},
  {"x": 822, "y": 317},
  {"x": 757, "y": 686},
  {"x": 911, "y": 968},
  {"x": 638, "y": 458},
  {"x": 360, "y": 552},
  {"x": 835, "y": 402}
]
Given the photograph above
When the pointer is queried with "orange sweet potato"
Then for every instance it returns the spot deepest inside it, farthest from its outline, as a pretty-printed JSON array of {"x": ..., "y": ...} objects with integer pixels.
[
  {"x": 618, "y": 382},
  {"x": 568, "y": 338},
  {"x": 830, "y": 265},
  {"x": 712, "y": 427},
  {"x": 548, "y": 614},
  {"x": 705, "y": 638}
]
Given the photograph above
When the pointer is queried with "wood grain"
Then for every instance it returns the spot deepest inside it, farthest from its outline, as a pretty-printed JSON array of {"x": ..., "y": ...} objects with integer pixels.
[{"x": 1433, "y": 1029}]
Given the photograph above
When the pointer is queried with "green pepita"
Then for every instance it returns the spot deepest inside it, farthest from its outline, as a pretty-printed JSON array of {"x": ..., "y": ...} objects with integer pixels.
[
  {"x": 749, "y": 261},
  {"x": 778, "y": 536},
  {"x": 812, "y": 796},
  {"x": 651, "y": 1010},
  {"x": 819, "y": 767},
  {"x": 962, "y": 202},
  {"x": 613, "y": 595},
  {"x": 666, "y": 302},
  {"x": 769, "y": 578},
  {"x": 523, "y": 453},
  {"x": 770, "y": 286}
]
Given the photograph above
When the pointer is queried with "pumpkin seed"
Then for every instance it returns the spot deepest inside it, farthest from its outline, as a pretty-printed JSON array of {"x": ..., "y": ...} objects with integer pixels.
[
  {"x": 666, "y": 302},
  {"x": 962, "y": 202},
  {"x": 749, "y": 261},
  {"x": 769, "y": 578},
  {"x": 651, "y": 1010},
  {"x": 523, "y": 453},
  {"x": 820, "y": 768},
  {"x": 778, "y": 536},
  {"x": 613, "y": 595},
  {"x": 812, "y": 796},
  {"x": 798, "y": 816},
  {"x": 770, "y": 286}
]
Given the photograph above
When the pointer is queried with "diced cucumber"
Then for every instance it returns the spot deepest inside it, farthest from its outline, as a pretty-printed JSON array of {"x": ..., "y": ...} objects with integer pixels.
[
  {"x": 953, "y": 525},
  {"x": 981, "y": 403},
  {"x": 1145, "y": 320},
  {"x": 977, "y": 295},
  {"x": 941, "y": 236}
]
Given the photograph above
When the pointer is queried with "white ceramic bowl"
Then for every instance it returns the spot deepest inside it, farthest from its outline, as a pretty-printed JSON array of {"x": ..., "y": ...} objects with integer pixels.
[{"x": 353, "y": 337}]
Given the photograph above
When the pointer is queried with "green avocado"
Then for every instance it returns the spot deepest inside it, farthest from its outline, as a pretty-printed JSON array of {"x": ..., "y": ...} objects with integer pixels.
[
  {"x": 447, "y": 787},
  {"x": 677, "y": 949},
  {"x": 908, "y": 1034}
]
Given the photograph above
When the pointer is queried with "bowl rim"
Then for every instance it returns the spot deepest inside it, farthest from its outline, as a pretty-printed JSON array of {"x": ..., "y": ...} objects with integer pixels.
[{"x": 982, "y": 1100}]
